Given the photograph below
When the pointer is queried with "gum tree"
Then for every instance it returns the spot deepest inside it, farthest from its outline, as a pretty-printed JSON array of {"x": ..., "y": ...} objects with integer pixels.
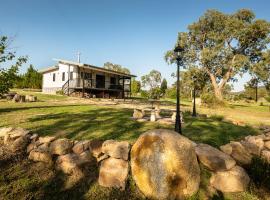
[{"x": 224, "y": 45}]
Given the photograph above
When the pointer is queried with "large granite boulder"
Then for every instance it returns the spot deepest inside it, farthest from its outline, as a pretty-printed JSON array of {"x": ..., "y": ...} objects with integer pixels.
[
  {"x": 61, "y": 146},
  {"x": 116, "y": 149},
  {"x": 238, "y": 152},
  {"x": 214, "y": 159},
  {"x": 113, "y": 173},
  {"x": 164, "y": 165},
  {"x": 234, "y": 180}
]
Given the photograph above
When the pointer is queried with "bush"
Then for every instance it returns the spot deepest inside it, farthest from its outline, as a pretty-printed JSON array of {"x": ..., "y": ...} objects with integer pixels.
[
  {"x": 217, "y": 117},
  {"x": 144, "y": 94},
  {"x": 60, "y": 92},
  {"x": 259, "y": 172},
  {"x": 210, "y": 100}
]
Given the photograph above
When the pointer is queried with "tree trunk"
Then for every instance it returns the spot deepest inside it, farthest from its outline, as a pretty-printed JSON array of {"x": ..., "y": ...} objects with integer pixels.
[{"x": 217, "y": 88}]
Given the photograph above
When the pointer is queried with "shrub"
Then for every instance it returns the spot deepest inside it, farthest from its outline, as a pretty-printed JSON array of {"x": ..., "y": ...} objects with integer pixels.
[
  {"x": 259, "y": 172},
  {"x": 210, "y": 100},
  {"x": 60, "y": 92},
  {"x": 217, "y": 117}
]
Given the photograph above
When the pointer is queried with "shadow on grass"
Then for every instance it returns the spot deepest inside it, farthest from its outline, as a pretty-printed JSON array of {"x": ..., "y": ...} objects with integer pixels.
[
  {"x": 109, "y": 123},
  {"x": 214, "y": 131},
  {"x": 28, "y": 106}
]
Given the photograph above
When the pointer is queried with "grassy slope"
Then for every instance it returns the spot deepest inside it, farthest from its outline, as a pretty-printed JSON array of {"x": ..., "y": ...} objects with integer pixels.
[{"x": 52, "y": 116}]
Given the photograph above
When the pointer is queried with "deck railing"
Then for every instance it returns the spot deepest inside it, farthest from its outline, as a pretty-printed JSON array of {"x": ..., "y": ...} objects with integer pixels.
[{"x": 93, "y": 83}]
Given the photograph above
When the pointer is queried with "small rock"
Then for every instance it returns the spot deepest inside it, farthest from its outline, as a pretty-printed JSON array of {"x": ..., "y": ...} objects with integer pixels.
[
  {"x": 69, "y": 163},
  {"x": 214, "y": 159},
  {"x": 239, "y": 153},
  {"x": 227, "y": 148},
  {"x": 61, "y": 146},
  {"x": 40, "y": 156},
  {"x": 7, "y": 139},
  {"x": 30, "y": 147},
  {"x": 95, "y": 147},
  {"x": 138, "y": 114},
  {"x": 46, "y": 139},
  {"x": 116, "y": 149},
  {"x": 86, "y": 157},
  {"x": 266, "y": 155},
  {"x": 4, "y": 131},
  {"x": 18, "y": 132},
  {"x": 234, "y": 180},
  {"x": 44, "y": 147},
  {"x": 19, "y": 144},
  {"x": 34, "y": 137},
  {"x": 251, "y": 148},
  {"x": 102, "y": 157},
  {"x": 256, "y": 140},
  {"x": 113, "y": 173},
  {"x": 81, "y": 146},
  {"x": 267, "y": 145}
]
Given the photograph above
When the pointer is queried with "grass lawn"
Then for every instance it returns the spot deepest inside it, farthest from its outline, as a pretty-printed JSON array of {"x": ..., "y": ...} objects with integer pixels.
[
  {"x": 67, "y": 117},
  {"x": 63, "y": 117}
]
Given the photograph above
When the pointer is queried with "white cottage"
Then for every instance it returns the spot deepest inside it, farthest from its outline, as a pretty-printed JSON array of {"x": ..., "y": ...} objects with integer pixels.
[{"x": 84, "y": 79}]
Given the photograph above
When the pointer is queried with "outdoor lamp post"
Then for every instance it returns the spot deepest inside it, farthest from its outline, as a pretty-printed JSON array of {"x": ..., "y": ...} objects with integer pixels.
[
  {"x": 177, "y": 52},
  {"x": 194, "y": 94}
]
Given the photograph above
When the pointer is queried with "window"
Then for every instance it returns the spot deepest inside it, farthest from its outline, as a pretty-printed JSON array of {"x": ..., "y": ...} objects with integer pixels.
[
  {"x": 71, "y": 76},
  {"x": 88, "y": 76},
  {"x": 63, "y": 76},
  {"x": 53, "y": 77},
  {"x": 113, "y": 81}
]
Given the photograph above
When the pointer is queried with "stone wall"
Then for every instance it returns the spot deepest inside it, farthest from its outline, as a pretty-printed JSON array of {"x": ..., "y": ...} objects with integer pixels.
[{"x": 163, "y": 163}]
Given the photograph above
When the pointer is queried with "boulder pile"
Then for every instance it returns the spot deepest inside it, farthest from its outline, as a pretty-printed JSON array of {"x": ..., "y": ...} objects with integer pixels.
[{"x": 164, "y": 164}]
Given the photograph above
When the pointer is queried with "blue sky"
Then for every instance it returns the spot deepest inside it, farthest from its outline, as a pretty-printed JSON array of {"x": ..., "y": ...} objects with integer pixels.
[{"x": 135, "y": 34}]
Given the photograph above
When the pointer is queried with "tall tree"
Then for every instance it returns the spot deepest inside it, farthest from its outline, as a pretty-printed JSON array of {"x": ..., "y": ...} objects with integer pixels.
[
  {"x": 31, "y": 79},
  {"x": 116, "y": 67},
  {"x": 224, "y": 45},
  {"x": 163, "y": 87},
  {"x": 135, "y": 86},
  {"x": 262, "y": 70},
  {"x": 9, "y": 74},
  {"x": 152, "y": 82}
]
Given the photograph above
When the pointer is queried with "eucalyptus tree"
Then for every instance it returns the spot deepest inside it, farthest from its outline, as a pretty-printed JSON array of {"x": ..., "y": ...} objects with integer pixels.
[
  {"x": 262, "y": 70},
  {"x": 116, "y": 67},
  {"x": 152, "y": 81},
  {"x": 8, "y": 74},
  {"x": 224, "y": 45}
]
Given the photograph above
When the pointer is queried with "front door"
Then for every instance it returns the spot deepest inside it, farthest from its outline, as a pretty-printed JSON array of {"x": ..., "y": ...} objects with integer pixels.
[{"x": 100, "y": 81}]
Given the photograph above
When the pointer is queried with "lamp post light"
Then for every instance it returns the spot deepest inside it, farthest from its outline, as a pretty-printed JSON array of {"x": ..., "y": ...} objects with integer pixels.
[
  {"x": 194, "y": 114},
  {"x": 177, "y": 52}
]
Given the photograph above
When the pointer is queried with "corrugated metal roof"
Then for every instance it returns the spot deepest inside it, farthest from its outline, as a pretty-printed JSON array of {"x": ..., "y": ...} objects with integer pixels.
[{"x": 86, "y": 66}]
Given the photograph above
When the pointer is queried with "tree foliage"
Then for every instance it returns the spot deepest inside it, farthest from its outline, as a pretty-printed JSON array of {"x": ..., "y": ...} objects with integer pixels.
[
  {"x": 116, "y": 67},
  {"x": 135, "y": 86},
  {"x": 152, "y": 82},
  {"x": 223, "y": 45},
  {"x": 8, "y": 75},
  {"x": 262, "y": 70},
  {"x": 31, "y": 79},
  {"x": 163, "y": 87}
]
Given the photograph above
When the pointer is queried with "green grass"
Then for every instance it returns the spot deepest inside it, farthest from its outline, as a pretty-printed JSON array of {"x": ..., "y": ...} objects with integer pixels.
[
  {"x": 60, "y": 116},
  {"x": 67, "y": 117}
]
